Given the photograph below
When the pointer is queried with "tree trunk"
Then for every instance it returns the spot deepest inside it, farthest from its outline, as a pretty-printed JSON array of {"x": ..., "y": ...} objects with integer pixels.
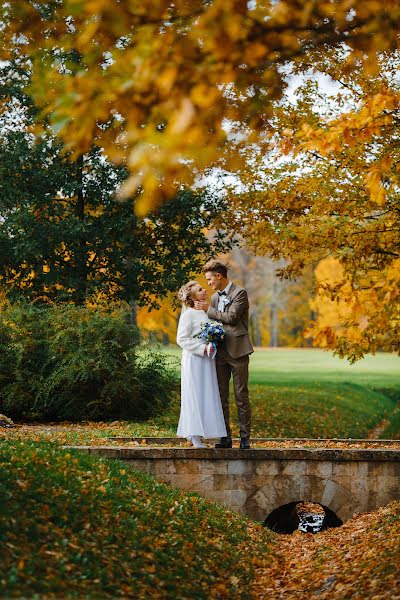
[
  {"x": 133, "y": 313},
  {"x": 273, "y": 316},
  {"x": 81, "y": 249},
  {"x": 310, "y": 341},
  {"x": 256, "y": 327}
]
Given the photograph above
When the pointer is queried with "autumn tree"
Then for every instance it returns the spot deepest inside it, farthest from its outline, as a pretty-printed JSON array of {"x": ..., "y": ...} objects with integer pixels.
[
  {"x": 63, "y": 235},
  {"x": 156, "y": 83},
  {"x": 333, "y": 316},
  {"x": 280, "y": 310},
  {"x": 172, "y": 90},
  {"x": 333, "y": 191}
]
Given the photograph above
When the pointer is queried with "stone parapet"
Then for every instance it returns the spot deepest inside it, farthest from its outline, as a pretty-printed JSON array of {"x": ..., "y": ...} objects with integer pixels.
[
  {"x": 257, "y": 481},
  {"x": 320, "y": 454},
  {"x": 174, "y": 441}
]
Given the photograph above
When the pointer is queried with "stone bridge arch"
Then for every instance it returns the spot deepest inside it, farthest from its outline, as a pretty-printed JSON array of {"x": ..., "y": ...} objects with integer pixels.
[
  {"x": 259, "y": 480},
  {"x": 280, "y": 482}
]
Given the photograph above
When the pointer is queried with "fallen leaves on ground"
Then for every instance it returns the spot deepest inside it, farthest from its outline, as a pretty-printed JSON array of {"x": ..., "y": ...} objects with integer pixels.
[
  {"x": 99, "y": 434},
  {"x": 76, "y": 526},
  {"x": 357, "y": 561}
]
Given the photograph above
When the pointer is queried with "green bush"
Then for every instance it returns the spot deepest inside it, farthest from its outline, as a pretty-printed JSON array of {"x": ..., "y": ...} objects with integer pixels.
[
  {"x": 7, "y": 354},
  {"x": 70, "y": 363}
]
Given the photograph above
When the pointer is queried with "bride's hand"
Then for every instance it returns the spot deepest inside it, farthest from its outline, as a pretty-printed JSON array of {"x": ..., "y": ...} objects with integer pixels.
[{"x": 210, "y": 350}]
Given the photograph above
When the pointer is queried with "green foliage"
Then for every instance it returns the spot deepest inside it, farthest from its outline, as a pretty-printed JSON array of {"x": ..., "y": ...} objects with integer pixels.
[
  {"x": 76, "y": 526},
  {"x": 65, "y": 237},
  {"x": 78, "y": 363},
  {"x": 7, "y": 355}
]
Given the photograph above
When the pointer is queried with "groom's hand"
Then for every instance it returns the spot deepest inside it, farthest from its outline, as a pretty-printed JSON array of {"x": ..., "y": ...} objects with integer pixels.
[{"x": 200, "y": 305}]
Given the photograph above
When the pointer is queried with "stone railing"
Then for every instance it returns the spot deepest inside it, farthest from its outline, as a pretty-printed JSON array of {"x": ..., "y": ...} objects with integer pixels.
[{"x": 257, "y": 481}]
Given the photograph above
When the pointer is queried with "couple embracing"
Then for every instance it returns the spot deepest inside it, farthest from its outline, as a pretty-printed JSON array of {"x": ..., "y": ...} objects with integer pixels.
[{"x": 207, "y": 368}]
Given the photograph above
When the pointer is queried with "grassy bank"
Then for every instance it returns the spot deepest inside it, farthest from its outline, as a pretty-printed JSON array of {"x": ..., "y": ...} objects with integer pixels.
[
  {"x": 76, "y": 526},
  {"x": 311, "y": 393},
  {"x": 302, "y": 410},
  {"x": 281, "y": 410}
]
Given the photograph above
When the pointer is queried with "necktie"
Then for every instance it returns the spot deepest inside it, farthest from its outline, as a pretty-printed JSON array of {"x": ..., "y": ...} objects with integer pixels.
[{"x": 221, "y": 293}]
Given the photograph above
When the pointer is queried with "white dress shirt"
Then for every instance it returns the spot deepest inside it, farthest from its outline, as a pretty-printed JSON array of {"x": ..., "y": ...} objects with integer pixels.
[{"x": 221, "y": 303}]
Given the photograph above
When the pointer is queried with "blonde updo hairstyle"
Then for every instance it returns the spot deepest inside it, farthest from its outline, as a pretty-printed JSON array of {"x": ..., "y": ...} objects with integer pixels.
[{"x": 185, "y": 294}]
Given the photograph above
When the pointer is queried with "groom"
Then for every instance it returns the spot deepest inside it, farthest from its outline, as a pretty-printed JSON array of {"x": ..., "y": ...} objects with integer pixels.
[{"x": 230, "y": 306}]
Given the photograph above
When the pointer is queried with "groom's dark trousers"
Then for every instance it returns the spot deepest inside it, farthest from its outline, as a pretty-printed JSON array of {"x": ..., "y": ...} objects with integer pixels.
[{"x": 238, "y": 368}]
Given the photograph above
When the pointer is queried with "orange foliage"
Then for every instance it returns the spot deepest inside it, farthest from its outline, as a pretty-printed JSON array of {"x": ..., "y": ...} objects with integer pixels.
[
  {"x": 330, "y": 189},
  {"x": 162, "y": 78},
  {"x": 351, "y": 318},
  {"x": 161, "y": 323}
]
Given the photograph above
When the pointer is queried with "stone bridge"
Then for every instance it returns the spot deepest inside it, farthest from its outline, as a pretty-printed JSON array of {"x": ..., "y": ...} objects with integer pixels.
[{"x": 257, "y": 482}]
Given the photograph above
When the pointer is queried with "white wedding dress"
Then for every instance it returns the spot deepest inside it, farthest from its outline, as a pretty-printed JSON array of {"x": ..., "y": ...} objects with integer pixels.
[{"x": 201, "y": 410}]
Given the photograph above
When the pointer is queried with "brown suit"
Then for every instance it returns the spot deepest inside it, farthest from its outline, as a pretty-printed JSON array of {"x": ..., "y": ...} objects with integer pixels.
[{"x": 233, "y": 355}]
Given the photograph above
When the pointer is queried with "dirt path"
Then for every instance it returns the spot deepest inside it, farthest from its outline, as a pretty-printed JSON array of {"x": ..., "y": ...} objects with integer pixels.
[{"x": 378, "y": 429}]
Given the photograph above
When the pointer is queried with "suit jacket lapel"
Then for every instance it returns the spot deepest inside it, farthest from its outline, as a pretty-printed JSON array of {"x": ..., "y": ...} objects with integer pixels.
[
  {"x": 231, "y": 293},
  {"x": 215, "y": 297}
]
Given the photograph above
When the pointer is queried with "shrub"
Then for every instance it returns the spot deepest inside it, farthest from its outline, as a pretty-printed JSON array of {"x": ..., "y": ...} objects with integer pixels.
[{"x": 71, "y": 363}]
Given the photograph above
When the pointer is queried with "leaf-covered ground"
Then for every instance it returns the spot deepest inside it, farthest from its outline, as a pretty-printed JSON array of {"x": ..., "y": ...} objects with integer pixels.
[
  {"x": 74, "y": 526},
  {"x": 330, "y": 411},
  {"x": 305, "y": 411},
  {"x": 358, "y": 561},
  {"x": 99, "y": 434}
]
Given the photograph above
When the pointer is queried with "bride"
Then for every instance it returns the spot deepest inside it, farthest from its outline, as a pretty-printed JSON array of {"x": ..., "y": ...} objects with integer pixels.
[{"x": 201, "y": 410}]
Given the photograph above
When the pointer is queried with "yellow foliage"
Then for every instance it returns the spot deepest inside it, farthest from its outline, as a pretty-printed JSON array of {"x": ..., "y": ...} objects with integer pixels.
[
  {"x": 330, "y": 189},
  {"x": 161, "y": 322},
  {"x": 357, "y": 318},
  {"x": 332, "y": 314},
  {"x": 188, "y": 67}
]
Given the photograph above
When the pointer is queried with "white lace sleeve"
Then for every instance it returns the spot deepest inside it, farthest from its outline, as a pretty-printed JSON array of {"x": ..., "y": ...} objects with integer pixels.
[{"x": 185, "y": 334}]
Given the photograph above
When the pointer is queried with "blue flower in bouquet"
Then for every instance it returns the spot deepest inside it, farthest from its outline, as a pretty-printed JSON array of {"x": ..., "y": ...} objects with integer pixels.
[{"x": 211, "y": 332}]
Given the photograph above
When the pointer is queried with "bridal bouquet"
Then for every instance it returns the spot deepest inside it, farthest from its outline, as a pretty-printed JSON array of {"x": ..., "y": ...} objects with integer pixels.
[{"x": 212, "y": 333}]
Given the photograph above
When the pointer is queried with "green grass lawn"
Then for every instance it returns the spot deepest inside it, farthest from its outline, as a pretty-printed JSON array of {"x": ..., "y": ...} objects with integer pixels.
[
  {"x": 76, "y": 526},
  {"x": 311, "y": 393},
  {"x": 270, "y": 366}
]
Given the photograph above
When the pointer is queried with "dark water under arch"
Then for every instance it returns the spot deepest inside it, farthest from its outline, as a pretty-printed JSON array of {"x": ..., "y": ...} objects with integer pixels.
[{"x": 287, "y": 519}]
